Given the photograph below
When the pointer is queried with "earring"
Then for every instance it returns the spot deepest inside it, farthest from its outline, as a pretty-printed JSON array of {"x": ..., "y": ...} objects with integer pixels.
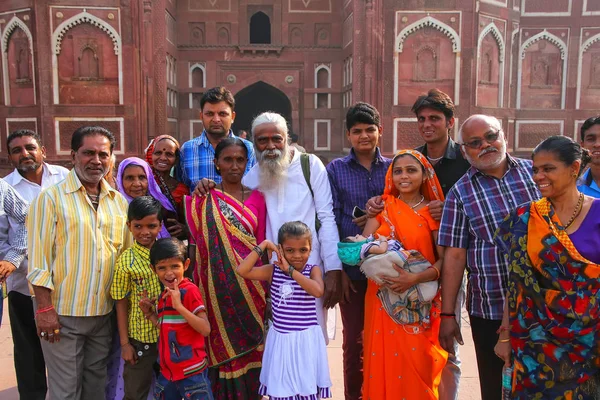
[
  {"x": 574, "y": 175},
  {"x": 218, "y": 169}
]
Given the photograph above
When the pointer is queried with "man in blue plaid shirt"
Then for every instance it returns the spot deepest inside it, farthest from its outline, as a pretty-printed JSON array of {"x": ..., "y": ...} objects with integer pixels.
[
  {"x": 479, "y": 201},
  {"x": 196, "y": 156}
]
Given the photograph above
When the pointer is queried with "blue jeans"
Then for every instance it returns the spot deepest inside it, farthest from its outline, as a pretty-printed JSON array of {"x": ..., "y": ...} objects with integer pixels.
[{"x": 195, "y": 387}]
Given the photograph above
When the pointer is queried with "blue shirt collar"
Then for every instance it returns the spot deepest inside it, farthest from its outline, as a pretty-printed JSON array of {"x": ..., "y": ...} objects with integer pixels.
[{"x": 204, "y": 138}]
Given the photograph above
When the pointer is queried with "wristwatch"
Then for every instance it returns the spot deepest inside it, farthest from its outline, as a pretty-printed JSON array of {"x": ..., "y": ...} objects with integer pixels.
[{"x": 290, "y": 271}]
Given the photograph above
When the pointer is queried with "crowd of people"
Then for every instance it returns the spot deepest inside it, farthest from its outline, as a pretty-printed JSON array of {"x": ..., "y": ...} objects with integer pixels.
[{"x": 206, "y": 271}]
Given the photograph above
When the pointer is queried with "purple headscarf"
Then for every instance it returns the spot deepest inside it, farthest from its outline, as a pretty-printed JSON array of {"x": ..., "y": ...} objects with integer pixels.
[{"x": 153, "y": 188}]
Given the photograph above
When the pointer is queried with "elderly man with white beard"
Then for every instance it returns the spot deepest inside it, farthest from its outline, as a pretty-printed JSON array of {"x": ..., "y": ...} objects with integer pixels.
[
  {"x": 475, "y": 206},
  {"x": 279, "y": 176}
]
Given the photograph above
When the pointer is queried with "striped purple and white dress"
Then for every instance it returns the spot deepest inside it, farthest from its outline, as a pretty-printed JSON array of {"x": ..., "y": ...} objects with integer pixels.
[{"x": 295, "y": 363}]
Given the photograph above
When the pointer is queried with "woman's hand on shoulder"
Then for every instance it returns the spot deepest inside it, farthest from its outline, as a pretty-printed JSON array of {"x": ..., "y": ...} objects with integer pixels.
[
  {"x": 374, "y": 206},
  {"x": 203, "y": 187}
]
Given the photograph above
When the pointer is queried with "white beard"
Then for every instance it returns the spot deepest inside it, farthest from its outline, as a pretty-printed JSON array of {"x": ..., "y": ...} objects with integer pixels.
[
  {"x": 489, "y": 164},
  {"x": 273, "y": 171}
]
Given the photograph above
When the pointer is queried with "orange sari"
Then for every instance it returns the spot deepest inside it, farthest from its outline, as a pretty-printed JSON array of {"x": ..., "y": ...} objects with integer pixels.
[{"x": 404, "y": 361}]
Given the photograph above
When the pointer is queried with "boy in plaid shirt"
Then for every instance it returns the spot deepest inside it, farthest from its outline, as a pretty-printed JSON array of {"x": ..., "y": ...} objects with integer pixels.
[{"x": 134, "y": 279}]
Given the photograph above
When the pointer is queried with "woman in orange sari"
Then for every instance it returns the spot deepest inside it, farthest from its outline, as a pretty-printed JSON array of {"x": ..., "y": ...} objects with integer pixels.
[{"x": 405, "y": 361}]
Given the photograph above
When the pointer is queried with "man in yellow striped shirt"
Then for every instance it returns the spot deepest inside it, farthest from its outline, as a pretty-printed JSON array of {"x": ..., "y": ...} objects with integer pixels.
[{"x": 76, "y": 231}]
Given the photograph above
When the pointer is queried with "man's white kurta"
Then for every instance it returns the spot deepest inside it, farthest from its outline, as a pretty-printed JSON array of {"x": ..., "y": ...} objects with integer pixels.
[{"x": 292, "y": 201}]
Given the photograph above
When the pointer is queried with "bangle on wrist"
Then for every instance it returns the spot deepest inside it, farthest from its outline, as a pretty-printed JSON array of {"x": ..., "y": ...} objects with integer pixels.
[
  {"x": 504, "y": 340},
  {"x": 437, "y": 272},
  {"x": 258, "y": 251},
  {"x": 44, "y": 309},
  {"x": 448, "y": 315}
]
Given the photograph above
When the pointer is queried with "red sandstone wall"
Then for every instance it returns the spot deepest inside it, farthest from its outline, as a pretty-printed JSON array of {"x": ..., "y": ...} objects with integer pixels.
[{"x": 500, "y": 71}]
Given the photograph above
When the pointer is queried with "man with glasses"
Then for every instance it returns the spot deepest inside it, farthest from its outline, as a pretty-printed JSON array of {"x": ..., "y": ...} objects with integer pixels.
[
  {"x": 589, "y": 183},
  {"x": 492, "y": 187}
]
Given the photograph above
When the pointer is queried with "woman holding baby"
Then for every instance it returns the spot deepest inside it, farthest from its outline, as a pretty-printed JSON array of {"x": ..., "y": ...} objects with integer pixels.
[{"x": 405, "y": 360}]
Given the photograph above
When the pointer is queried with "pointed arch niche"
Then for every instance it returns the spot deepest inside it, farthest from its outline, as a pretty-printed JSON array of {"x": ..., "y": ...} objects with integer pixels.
[
  {"x": 490, "y": 67},
  {"x": 107, "y": 43},
  {"x": 18, "y": 74},
  {"x": 543, "y": 61},
  {"x": 588, "y": 74},
  {"x": 439, "y": 38}
]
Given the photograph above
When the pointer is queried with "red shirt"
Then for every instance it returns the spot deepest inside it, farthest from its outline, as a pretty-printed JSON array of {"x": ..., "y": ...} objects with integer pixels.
[{"x": 180, "y": 348}]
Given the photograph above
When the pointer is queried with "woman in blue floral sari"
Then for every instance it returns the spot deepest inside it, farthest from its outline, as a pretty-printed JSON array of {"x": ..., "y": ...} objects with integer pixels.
[{"x": 550, "y": 329}]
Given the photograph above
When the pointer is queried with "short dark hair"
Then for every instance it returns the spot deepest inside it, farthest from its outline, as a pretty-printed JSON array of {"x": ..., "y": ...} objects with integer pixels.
[
  {"x": 228, "y": 142},
  {"x": 437, "y": 100},
  {"x": 587, "y": 125},
  {"x": 565, "y": 149},
  {"x": 166, "y": 248},
  {"x": 81, "y": 132},
  {"x": 294, "y": 229},
  {"x": 293, "y": 137},
  {"x": 362, "y": 113},
  {"x": 217, "y": 95},
  {"x": 143, "y": 206},
  {"x": 23, "y": 132}
]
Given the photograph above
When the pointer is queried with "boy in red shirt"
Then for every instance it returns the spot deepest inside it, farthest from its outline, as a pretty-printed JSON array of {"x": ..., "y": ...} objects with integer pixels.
[{"x": 181, "y": 316}]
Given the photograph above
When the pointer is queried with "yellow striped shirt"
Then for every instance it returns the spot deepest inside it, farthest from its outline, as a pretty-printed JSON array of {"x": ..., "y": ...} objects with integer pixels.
[{"x": 73, "y": 248}]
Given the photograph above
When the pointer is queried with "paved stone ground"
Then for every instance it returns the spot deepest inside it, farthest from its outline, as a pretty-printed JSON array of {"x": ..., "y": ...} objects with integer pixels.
[{"x": 469, "y": 387}]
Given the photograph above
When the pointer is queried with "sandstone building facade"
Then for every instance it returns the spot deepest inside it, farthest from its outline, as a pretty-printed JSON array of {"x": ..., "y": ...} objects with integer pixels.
[{"x": 139, "y": 67}]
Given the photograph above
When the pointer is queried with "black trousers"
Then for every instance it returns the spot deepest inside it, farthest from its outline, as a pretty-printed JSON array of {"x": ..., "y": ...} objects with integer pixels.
[
  {"x": 29, "y": 359},
  {"x": 488, "y": 363}
]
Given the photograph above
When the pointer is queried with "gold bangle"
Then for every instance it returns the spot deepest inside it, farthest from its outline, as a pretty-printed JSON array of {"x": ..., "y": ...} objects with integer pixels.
[
  {"x": 436, "y": 270},
  {"x": 504, "y": 340}
]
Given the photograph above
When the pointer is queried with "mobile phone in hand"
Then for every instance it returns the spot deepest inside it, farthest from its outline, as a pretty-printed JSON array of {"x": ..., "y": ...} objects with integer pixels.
[{"x": 358, "y": 212}]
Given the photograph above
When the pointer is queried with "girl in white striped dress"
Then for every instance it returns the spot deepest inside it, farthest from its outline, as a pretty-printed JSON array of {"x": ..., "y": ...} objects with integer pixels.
[{"x": 295, "y": 360}]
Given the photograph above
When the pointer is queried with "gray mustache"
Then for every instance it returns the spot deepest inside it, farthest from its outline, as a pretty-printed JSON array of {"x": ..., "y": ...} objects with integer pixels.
[{"x": 488, "y": 150}]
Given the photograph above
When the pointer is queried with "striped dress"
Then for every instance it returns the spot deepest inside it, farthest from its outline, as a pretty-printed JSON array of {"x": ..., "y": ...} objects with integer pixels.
[{"x": 295, "y": 363}]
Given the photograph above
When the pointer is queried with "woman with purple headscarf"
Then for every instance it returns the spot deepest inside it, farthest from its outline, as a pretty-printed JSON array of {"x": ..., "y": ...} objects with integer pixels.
[{"x": 135, "y": 178}]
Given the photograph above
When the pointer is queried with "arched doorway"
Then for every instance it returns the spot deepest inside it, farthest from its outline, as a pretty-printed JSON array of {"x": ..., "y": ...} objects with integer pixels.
[{"x": 257, "y": 98}]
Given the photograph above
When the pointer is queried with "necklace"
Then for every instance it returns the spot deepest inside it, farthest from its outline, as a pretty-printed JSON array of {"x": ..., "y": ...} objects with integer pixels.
[
  {"x": 416, "y": 205},
  {"x": 434, "y": 159},
  {"x": 576, "y": 212},
  {"x": 95, "y": 200}
]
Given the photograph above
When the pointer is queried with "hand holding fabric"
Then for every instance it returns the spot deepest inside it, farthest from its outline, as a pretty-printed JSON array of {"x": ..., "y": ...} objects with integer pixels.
[{"x": 401, "y": 283}]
